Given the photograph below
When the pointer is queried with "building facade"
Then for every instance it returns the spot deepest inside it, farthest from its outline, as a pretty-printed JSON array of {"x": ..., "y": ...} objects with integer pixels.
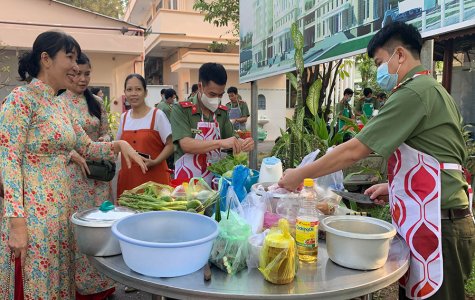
[
  {"x": 114, "y": 47},
  {"x": 178, "y": 41}
]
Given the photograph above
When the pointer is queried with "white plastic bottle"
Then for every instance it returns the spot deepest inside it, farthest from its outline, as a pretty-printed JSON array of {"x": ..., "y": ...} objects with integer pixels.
[{"x": 306, "y": 227}]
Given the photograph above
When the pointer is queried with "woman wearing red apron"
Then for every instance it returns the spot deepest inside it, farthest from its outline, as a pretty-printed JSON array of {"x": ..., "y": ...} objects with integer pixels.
[
  {"x": 419, "y": 131},
  {"x": 148, "y": 131}
]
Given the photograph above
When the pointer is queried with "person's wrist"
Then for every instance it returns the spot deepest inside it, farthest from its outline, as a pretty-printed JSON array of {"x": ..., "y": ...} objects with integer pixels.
[
  {"x": 116, "y": 145},
  {"x": 17, "y": 223}
]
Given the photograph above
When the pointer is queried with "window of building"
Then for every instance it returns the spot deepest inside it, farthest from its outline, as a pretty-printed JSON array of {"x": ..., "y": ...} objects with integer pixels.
[
  {"x": 261, "y": 102},
  {"x": 105, "y": 89},
  {"x": 159, "y": 5}
]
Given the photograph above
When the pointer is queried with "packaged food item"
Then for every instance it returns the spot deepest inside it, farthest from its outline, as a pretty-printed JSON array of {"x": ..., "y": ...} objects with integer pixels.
[
  {"x": 306, "y": 226},
  {"x": 277, "y": 261}
]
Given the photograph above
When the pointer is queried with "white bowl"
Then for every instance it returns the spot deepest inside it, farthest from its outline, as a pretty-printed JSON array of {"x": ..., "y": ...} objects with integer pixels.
[
  {"x": 166, "y": 243},
  {"x": 358, "y": 242}
]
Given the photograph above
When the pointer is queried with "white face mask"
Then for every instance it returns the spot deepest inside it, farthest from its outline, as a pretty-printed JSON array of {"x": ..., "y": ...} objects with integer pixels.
[{"x": 210, "y": 103}]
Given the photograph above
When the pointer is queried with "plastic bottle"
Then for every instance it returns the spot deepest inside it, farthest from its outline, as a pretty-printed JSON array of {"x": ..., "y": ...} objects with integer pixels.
[{"x": 306, "y": 227}]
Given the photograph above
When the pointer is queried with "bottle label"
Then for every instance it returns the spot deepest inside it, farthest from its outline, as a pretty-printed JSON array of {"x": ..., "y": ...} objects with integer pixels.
[{"x": 306, "y": 233}]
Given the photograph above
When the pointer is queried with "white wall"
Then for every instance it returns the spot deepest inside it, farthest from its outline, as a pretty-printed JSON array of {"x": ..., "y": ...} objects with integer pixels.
[{"x": 153, "y": 94}]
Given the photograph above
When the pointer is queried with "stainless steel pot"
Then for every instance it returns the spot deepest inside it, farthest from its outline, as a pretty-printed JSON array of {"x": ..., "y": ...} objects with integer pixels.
[
  {"x": 92, "y": 229},
  {"x": 358, "y": 242}
]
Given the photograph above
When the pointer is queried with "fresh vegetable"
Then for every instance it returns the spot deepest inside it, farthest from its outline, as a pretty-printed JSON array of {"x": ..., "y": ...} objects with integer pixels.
[
  {"x": 153, "y": 196},
  {"x": 228, "y": 163}
]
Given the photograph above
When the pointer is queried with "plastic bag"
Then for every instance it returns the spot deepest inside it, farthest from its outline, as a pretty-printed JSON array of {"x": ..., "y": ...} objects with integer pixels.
[
  {"x": 240, "y": 176},
  {"x": 254, "y": 208},
  {"x": 231, "y": 248},
  {"x": 277, "y": 261},
  {"x": 333, "y": 181},
  {"x": 255, "y": 246}
]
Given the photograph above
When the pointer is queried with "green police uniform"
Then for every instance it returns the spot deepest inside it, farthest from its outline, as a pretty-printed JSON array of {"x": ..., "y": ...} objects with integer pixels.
[
  {"x": 184, "y": 120},
  {"x": 423, "y": 115},
  {"x": 344, "y": 109},
  {"x": 166, "y": 108}
]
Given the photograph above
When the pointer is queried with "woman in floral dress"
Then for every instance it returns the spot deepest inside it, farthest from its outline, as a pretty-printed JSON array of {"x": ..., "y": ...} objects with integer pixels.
[
  {"x": 36, "y": 136},
  {"x": 89, "y": 112}
]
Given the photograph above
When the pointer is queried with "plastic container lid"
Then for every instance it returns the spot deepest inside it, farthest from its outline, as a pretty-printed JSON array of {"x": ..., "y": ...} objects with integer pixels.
[
  {"x": 95, "y": 217},
  {"x": 271, "y": 161},
  {"x": 308, "y": 182}
]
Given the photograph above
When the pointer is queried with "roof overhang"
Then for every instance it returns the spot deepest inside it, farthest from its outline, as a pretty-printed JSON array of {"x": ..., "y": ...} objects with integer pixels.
[{"x": 194, "y": 60}]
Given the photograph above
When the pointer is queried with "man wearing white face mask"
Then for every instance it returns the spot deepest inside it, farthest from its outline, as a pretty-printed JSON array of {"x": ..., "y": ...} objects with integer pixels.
[
  {"x": 419, "y": 131},
  {"x": 201, "y": 130}
]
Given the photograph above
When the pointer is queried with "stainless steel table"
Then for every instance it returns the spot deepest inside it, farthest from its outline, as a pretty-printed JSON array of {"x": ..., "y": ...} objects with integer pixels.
[{"x": 324, "y": 280}]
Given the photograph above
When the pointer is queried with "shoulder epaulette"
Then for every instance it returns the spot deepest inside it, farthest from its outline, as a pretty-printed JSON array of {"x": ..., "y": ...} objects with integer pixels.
[
  {"x": 223, "y": 107},
  {"x": 186, "y": 104}
]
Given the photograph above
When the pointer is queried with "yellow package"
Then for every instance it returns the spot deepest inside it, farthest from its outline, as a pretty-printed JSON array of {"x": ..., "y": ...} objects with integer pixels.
[{"x": 277, "y": 261}]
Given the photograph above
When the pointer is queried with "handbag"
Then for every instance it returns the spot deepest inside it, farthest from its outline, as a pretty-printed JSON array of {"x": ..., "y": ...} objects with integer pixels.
[{"x": 103, "y": 170}]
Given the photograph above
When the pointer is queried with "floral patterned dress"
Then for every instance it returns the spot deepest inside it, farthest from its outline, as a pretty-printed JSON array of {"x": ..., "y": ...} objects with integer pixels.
[
  {"x": 36, "y": 137},
  {"x": 87, "y": 192}
]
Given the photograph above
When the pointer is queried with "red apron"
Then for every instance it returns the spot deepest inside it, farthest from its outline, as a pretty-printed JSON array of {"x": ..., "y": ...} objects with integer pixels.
[
  {"x": 146, "y": 141},
  {"x": 195, "y": 165}
]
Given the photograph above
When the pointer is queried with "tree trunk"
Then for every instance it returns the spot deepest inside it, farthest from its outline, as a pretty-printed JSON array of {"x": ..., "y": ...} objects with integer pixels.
[{"x": 333, "y": 82}]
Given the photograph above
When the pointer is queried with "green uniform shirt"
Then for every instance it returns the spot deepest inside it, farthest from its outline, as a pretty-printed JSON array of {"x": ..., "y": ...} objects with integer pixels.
[
  {"x": 184, "y": 121},
  {"x": 422, "y": 114},
  {"x": 242, "y": 105},
  {"x": 344, "y": 109},
  {"x": 166, "y": 108}
]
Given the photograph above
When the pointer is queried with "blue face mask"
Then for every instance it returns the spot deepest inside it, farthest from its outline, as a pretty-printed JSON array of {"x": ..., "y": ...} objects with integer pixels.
[{"x": 385, "y": 80}]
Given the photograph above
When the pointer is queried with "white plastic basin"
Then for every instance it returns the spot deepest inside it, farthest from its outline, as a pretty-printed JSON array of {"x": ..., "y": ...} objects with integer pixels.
[{"x": 166, "y": 243}]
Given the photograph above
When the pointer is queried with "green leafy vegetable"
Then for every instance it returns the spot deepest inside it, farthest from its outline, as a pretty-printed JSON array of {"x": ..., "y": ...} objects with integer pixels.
[{"x": 228, "y": 163}]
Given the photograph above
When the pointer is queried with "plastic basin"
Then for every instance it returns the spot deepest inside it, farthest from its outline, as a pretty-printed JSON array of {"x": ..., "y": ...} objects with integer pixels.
[{"x": 165, "y": 243}]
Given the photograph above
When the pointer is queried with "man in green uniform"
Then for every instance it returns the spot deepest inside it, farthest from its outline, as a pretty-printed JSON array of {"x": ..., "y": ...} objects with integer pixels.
[
  {"x": 421, "y": 120},
  {"x": 343, "y": 108},
  {"x": 367, "y": 104},
  {"x": 167, "y": 104},
  {"x": 237, "y": 110},
  {"x": 194, "y": 91},
  {"x": 201, "y": 130}
]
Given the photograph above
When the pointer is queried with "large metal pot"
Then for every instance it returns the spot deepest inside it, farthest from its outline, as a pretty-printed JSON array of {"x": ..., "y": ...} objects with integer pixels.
[
  {"x": 92, "y": 229},
  {"x": 358, "y": 242}
]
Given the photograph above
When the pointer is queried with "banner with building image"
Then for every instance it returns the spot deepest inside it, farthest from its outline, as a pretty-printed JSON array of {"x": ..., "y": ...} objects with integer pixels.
[{"x": 333, "y": 29}]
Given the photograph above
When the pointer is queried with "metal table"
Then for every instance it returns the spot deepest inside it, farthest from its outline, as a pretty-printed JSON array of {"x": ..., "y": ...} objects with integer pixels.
[{"x": 323, "y": 280}]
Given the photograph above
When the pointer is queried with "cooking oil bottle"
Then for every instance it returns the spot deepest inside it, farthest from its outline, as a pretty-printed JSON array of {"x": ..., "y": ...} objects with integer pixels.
[{"x": 306, "y": 227}]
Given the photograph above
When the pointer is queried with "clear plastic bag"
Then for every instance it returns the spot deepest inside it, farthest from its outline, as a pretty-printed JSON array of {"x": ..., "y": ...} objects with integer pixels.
[
  {"x": 231, "y": 248},
  {"x": 254, "y": 208},
  {"x": 278, "y": 261},
  {"x": 256, "y": 242},
  {"x": 333, "y": 181}
]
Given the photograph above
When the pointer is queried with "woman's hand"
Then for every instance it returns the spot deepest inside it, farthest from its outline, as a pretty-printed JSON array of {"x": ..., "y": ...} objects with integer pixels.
[
  {"x": 129, "y": 154},
  {"x": 378, "y": 193},
  {"x": 151, "y": 162},
  {"x": 18, "y": 238},
  {"x": 81, "y": 162},
  {"x": 291, "y": 179},
  {"x": 247, "y": 145}
]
